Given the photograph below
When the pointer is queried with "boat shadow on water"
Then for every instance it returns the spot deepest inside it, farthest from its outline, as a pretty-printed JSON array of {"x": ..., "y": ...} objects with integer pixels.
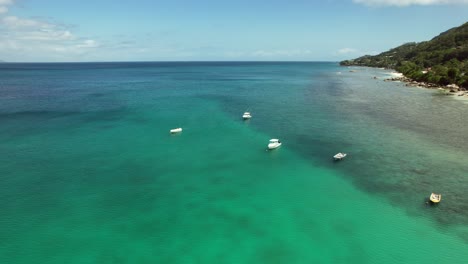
[{"x": 429, "y": 203}]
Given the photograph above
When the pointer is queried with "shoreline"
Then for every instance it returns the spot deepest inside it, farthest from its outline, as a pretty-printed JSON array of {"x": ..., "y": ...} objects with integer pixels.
[{"x": 450, "y": 89}]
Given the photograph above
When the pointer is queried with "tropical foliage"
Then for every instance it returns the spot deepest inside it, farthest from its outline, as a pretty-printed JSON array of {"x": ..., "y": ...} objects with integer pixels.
[{"x": 442, "y": 60}]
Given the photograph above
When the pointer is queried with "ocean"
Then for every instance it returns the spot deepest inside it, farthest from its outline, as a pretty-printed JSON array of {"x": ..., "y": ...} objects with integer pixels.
[{"x": 91, "y": 174}]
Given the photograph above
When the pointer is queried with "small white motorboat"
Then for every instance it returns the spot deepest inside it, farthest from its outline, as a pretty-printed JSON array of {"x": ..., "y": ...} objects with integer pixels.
[
  {"x": 274, "y": 143},
  {"x": 435, "y": 198},
  {"x": 247, "y": 115},
  {"x": 176, "y": 130},
  {"x": 340, "y": 156}
]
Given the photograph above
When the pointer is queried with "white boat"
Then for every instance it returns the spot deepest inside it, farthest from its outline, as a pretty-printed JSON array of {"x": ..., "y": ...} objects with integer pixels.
[
  {"x": 176, "y": 130},
  {"x": 435, "y": 198},
  {"x": 274, "y": 143},
  {"x": 340, "y": 156},
  {"x": 247, "y": 115}
]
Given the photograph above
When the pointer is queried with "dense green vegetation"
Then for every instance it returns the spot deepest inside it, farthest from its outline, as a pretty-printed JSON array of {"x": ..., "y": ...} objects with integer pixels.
[{"x": 442, "y": 60}]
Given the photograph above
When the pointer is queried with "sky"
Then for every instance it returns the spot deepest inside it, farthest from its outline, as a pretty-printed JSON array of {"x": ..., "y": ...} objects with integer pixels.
[{"x": 217, "y": 30}]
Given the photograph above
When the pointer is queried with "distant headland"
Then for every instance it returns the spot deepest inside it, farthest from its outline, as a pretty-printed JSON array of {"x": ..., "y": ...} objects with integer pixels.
[{"x": 441, "y": 61}]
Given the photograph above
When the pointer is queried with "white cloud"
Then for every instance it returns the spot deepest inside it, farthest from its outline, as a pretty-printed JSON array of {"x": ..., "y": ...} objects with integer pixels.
[
  {"x": 234, "y": 54},
  {"x": 46, "y": 35},
  {"x": 89, "y": 43},
  {"x": 35, "y": 30},
  {"x": 4, "y": 6},
  {"x": 77, "y": 48},
  {"x": 40, "y": 40},
  {"x": 347, "y": 51},
  {"x": 16, "y": 22},
  {"x": 351, "y": 52},
  {"x": 36, "y": 39},
  {"x": 402, "y": 3},
  {"x": 6, "y": 2}
]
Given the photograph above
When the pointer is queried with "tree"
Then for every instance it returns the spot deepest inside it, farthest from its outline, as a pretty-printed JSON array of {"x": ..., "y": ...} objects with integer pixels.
[
  {"x": 452, "y": 74},
  {"x": 446, "y": 55}
]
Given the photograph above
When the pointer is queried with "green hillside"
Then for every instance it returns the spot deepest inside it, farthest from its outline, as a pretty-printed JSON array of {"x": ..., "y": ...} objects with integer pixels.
[{"x": 442, "y": 60}]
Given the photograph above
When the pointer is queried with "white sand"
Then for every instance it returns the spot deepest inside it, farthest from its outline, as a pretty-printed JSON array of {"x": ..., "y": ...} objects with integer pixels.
[{"x": 396, "y": 74}]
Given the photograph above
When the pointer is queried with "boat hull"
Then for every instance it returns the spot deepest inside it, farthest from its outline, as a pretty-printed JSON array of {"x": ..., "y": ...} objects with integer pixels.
[
  {"x": 175, "y": 130},
  {"x": 339, "y": 157},
  {"x": 274, "y": 145},
  {"x": 246, "y": 115}
]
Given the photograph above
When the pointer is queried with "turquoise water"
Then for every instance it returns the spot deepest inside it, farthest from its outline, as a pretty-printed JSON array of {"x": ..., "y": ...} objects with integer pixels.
[{"x": 90, "y": 173}]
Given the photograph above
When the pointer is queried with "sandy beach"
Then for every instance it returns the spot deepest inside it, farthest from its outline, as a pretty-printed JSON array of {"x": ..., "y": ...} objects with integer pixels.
[{"x": 450, "y": 89}]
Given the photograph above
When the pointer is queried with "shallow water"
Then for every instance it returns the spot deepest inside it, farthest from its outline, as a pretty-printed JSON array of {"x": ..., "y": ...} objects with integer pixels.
[{"x": 92, "y": 175}]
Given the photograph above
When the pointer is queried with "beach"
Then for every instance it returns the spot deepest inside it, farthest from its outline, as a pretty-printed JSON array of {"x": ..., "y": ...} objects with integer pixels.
[{"x": 450, "y": 89}]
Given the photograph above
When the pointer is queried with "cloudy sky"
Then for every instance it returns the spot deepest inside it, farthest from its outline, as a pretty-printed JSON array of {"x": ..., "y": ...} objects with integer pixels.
[{"x": 177, "y": 30}]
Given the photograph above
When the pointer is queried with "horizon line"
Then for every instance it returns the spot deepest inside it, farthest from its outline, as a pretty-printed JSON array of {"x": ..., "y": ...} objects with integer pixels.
[{"x": 164, "y": 61}]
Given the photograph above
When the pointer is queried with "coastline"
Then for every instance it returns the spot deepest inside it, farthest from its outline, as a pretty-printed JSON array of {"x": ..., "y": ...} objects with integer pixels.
[{"x": 451, "y": 89}]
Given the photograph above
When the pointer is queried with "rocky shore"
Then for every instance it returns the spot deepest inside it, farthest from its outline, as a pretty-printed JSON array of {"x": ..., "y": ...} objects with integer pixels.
[{"x": 451, "y": 89}]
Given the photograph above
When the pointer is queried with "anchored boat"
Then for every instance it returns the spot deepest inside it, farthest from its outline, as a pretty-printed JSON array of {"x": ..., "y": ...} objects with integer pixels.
[
  {"x": 435, "y": 198},
  {"x": 274, "y": 143},
  {"x": 340, "y": 156},
  {"x": 175, "y": 130}
]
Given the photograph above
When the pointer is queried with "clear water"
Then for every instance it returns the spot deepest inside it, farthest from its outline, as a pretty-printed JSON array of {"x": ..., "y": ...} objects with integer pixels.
[{"x": 90, "y": 173}]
